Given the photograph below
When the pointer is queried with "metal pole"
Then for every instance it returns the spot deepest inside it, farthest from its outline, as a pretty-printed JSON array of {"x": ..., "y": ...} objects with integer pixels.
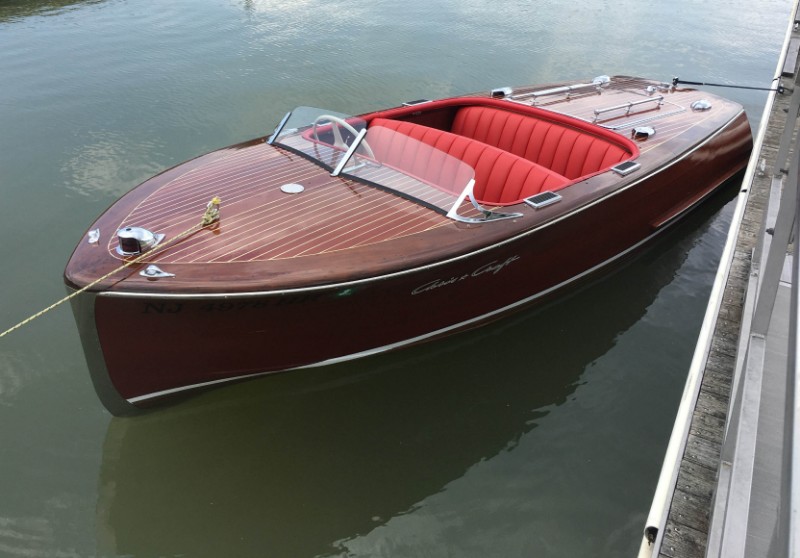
[
  {"x": 786, "y": 137},
  {"x": 789, "y": 518},
  {"x": 676, "y": 81}
]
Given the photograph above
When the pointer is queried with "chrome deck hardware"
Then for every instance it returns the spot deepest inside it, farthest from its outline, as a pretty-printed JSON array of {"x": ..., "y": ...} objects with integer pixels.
[
  {"x": 642, "y": 132},
  {"x": 597, "y": 84},
  {"x": 701, "y": 105},
  {"x": 155, "y": 272},
  {"x": 543, "y": 199},
  {"x": 292, "y": 188},
  {"x": 500, "y": 92},
  {"x": 628, "y": 106},
  {"x": 626, "y": 167},
  {"x": 136, "y": 240},
  {"x": 486, "y": 215}
]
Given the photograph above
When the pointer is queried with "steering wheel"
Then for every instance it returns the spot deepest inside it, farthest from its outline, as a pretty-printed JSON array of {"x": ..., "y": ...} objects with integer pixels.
[{"x": 338, "y": 141}]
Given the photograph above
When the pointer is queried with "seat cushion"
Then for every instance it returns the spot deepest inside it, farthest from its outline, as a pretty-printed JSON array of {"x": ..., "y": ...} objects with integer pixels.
[
  {"x": 501, "y": 178},
  {"x": 562, "y": 149}
]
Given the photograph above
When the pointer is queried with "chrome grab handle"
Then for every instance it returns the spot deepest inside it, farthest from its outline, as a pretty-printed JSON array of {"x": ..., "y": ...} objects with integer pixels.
[{"x": 628, "y": 106}]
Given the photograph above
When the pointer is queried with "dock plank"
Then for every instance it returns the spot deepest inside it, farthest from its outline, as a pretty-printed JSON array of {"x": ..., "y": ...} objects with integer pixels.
[
  {"x": 791, "y": 57},
  {"x": 682, "y": 540}
]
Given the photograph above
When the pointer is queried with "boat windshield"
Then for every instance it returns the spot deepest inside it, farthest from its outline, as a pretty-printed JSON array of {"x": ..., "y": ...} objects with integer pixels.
[{"x": 384, "y": 158}]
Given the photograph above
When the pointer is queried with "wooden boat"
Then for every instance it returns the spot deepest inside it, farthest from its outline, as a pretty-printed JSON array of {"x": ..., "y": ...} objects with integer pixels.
[{"x": 338, "y": 237}]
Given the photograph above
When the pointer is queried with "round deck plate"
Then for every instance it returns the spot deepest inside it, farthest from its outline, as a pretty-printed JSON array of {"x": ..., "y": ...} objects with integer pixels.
[{"x": 292, "y": 188}]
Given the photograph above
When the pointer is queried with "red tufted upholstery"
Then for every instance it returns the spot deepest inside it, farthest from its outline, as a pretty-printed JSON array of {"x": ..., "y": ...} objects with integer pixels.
[
  {"x": 500, "y": 177},
  {"x": 559, "y": 148}
]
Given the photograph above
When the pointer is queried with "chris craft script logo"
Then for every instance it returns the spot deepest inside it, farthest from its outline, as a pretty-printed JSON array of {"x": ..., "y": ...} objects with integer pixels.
[{"x": 494, "y": 268}]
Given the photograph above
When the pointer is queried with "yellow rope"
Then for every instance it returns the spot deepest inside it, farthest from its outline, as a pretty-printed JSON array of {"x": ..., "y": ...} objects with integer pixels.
[{"x": 211, "y": 215}]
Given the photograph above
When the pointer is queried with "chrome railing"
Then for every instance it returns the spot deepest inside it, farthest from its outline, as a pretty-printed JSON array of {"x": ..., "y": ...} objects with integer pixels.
[{"x": 627, "y": 107}]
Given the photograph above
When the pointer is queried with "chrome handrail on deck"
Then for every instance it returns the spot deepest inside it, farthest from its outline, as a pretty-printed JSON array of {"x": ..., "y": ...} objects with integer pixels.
[
  {"x": 597, "y": 83},
  {"x": 568, "y": 89},
  {"x": 628, "y": 106}
]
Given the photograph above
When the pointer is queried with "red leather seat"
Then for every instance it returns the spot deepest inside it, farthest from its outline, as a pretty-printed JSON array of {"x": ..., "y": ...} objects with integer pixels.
[
  {"x": 501, "y": 178},
  {"x": 559, "y": 148}
]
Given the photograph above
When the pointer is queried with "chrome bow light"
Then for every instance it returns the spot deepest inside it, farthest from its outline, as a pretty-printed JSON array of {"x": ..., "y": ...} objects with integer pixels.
[{"x": 136, "y": 240}]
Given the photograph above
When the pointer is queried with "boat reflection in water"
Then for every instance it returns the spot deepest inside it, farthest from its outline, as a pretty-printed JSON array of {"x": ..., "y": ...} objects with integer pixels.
[
  {"x": 298, "y": 464},
  {"x": 18, "y": 9}
]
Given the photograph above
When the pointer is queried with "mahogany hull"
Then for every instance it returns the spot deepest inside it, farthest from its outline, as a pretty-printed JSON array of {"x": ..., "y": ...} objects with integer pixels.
[{"x": 143, "y": 346}]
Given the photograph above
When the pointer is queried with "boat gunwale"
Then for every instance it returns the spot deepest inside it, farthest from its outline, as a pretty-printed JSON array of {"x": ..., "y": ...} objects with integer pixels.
[{"x": 622, "y": 187}]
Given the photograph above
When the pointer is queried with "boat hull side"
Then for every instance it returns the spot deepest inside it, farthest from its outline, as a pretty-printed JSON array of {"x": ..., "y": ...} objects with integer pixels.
[
  {"x": 155, "y": 345},
  {"x": 83, "y": 310}
]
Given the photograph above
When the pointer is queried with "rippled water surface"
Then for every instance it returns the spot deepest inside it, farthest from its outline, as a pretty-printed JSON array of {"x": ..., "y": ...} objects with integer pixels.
[{"x": 541, "y": 435}]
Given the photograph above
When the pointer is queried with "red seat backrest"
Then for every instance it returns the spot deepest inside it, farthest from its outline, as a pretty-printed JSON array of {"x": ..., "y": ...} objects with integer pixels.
[
  {"x": 501, "y": 178},
  {"x": 562, "y": 149}
]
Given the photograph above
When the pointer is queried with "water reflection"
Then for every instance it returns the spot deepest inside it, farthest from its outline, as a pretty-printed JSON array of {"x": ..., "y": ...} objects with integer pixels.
[
  {"x": 11, "y": 376},
  {"x": 102, "y": 167},
  {"x": 17, "y": 9},
  {"x": 298, "y": 464}
]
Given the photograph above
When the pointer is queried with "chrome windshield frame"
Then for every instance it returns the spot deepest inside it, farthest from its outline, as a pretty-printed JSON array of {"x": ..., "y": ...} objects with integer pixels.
[
  {"x": 279, "y": 128},
  {"x": 486, "y": 214},
  {"x": 349, "y": 154}
]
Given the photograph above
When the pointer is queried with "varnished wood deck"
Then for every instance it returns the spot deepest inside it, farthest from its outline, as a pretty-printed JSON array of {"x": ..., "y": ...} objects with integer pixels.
[
  {"x": 671, "y": 117},
  {"x": 262, "y": 225}
]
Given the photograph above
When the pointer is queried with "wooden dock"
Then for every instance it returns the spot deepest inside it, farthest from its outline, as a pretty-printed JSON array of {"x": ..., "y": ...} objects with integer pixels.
[
  {"x": 687, "y": 525},
  {"x": 696, "y": 502}
]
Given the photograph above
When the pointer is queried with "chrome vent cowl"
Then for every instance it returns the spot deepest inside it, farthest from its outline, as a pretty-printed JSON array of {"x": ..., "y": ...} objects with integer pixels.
[{"x": 701, "y": 105}]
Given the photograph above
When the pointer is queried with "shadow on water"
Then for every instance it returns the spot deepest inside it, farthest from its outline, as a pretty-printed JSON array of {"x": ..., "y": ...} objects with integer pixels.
[{"x": 287, "y": 465}]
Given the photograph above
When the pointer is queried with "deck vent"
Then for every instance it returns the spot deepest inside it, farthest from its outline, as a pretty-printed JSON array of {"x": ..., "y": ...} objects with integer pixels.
[
  {"x": 136, "y": 240},
  {"x": 501, "y": 92},
  {"x": 701, "y": 105},
  {"x": 625, "y": 167},
  {"x": 416, "y": 102},
  {"x": 543, "y": 199},
  {"x": 642, "y": 132}
]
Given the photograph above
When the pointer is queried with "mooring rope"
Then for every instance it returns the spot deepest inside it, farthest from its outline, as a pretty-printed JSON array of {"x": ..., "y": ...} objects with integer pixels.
[{"x": 210, "y": 216}]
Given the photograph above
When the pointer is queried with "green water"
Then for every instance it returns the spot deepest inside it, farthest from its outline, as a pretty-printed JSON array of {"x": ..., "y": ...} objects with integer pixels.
[{"x": 539, "y": 436}]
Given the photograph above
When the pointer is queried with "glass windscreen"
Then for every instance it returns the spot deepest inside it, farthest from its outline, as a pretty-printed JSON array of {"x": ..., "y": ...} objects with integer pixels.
[{"x": 383, "y": 158}]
